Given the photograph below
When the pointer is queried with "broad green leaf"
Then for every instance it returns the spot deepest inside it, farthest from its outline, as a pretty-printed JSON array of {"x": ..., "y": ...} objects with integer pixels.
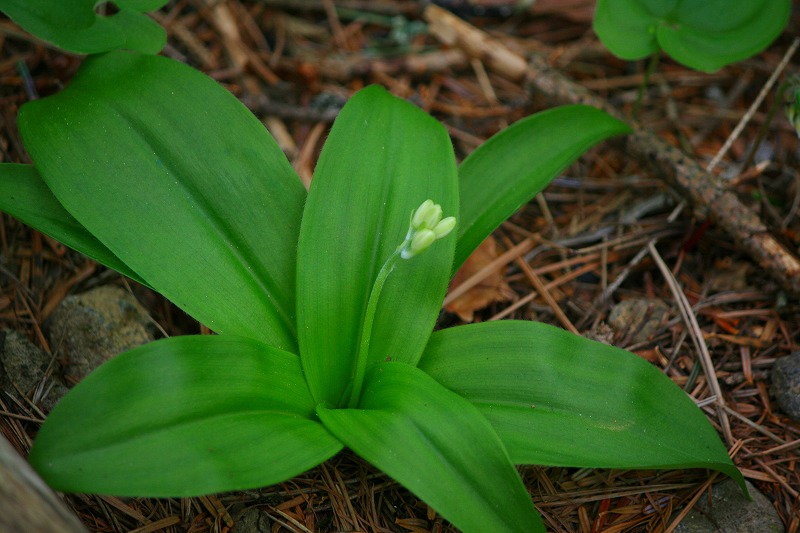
[
  {"x": 714, "y": 35},
  {"x": 73, "y": 25},
  {"x": 383, "y": 158},
  {"x": 24, "y": 196},
  {"x": 142, "y": 6},
  {"x": 701, "y": 34},
  {"x": 182, "y": 183},
  {"x": 438, "y": 446},
  {"x": 627, "y": 27},
  {"x": 509, "y": 169},
  {"x": 558, "y": 399},
  {"x": 141, "y": 33},
  {"x": 184, "y": 416}
]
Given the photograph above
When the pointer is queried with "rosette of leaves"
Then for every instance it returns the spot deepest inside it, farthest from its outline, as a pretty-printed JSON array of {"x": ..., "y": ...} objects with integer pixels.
[
  {"x": 701, "y": 34},
  {"x": 78, "y": 26},
  {"x": 153, "y": 169}
]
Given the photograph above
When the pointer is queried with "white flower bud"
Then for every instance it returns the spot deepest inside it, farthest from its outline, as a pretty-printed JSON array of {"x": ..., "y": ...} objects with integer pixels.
[
  {"x": 426, "y": 226},
  {"x": 419, "y": 243},
  {"x": 421, "y": 214},
  {"x": 444, "y": 227},
  {"x": 433, "y": 217}
]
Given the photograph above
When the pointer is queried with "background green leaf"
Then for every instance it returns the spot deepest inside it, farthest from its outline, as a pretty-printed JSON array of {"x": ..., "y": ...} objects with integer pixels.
[
  {"x": 142, "y": 6},
  {"x": 383, "y": 158},
  {"x": 558, "y": 399},
  {"x": 74, "y": 26},
  {"x": 717, "y": 33},
  {"x": 184, "y": 416},
  {"x": 509, "y": 169},
  {"x": 628, "y": 27},
  {"x": 182, "y": 183},
  {"x": 701, "y": 34},
  {"x": 437, "y": 445},
  {"x": 25, "y": 196}
]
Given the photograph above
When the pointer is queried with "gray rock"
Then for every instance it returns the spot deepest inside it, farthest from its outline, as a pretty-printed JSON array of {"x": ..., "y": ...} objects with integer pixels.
[
  {"x": 638, "y": 319},
  {"x": 252, "y": 520},
  {"x": 728, "y": 276},
  {"x": 601, "y": 332},
  {"x": 24, "y": 371},
  {"x": 731, "y": 512},
  {"x": 786, "y": 384},
  {"x": 90, "y": 328}
]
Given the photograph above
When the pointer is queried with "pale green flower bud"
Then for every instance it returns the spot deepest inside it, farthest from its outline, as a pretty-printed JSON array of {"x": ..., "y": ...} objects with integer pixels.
[
  {"x": 425, "y": 228},
  {"x": 433, "y": 217},
  {"x": 444, "y": 227},
  {"x": 426, "y": 215},
  {"x": 419, "y": 243}
]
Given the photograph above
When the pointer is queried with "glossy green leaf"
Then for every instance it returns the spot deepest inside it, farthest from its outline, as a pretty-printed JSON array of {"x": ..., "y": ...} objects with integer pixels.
[
  {"x": 25, "y": 196},
  {"x": 182, "y": 183},
  {"x": 626, "y": 27},
  {"x": 558, "y": 399},
  {"x": 383, "y": 158},
  {"x": 508, "y": 170},
  {"x": 713, "y": 38},
  {"x": 701, "y": 34},
  {"x": 142, "y": 6},
  {"x": 184, "y": 416},
  {"x": 437, "y": 445},
  {"x": 73, "y": 25}
]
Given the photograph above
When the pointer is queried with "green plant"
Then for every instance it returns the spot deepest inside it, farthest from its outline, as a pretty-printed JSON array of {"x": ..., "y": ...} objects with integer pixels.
[
  {"x": 324, "y": 303},
  {"x": 792, "y": 105},
  {"x": 701, "y": 34},
  {"x": 76, "y": 26}
]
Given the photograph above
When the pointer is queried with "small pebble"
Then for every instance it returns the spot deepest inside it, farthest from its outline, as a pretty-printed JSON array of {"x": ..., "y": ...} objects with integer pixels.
[
  {"x": 88, "y": 329},
  {"x": 23, "y": 371},
  {"x": 786, "y": 384},
  {"x": 252, "y": 520},
  {"x": 731, "y": 512},
  {"x": 638, "y": 319}
]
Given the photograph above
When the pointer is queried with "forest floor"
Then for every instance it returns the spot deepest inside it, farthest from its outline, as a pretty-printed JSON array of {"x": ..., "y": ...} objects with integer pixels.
[{"x": 609, "y": 234}]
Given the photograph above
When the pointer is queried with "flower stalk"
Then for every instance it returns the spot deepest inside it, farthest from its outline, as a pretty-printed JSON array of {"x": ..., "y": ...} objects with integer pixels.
[{"x": 425, "y": 227}]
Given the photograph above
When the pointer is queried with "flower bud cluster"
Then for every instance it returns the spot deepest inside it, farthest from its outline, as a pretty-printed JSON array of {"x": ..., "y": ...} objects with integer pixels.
[{"x": 426, "y": 227}]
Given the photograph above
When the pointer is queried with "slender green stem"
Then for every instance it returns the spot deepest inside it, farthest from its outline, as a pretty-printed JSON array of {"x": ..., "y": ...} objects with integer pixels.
[
  {"x": 366, "y": 329},
  {"x": 652, "y": 65},
  {"x": 762, "y": 131}
]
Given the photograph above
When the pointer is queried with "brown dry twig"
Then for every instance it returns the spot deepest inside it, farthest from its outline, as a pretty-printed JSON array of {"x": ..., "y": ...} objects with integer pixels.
[
  {"x": 668, "y": 162},
  {"x": 697, "y": 338},
  {"x": 26, "y": 503}
]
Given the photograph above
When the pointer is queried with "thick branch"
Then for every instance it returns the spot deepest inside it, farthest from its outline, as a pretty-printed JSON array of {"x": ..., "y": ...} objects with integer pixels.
[
  {"x": 26, "y": 503},
  {"x": 668, "y": 162}
]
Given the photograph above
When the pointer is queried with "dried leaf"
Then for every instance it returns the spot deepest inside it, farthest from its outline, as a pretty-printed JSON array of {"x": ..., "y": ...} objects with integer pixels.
[{"x": 492, "y": 289}]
